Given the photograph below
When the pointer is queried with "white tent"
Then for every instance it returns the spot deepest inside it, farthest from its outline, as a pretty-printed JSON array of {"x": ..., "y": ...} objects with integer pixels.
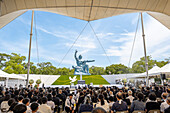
[
  {"x": 6, "y": 75},
  {"x": 151, "y": 72},
  {"x": 165, "y": 69}
]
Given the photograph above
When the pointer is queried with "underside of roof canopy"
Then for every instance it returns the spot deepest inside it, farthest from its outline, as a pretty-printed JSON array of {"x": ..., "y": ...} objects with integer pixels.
[{"x": 87, "y": 10}]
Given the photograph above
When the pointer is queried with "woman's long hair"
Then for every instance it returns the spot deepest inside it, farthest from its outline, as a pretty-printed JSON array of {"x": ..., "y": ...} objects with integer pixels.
[{"x": 102, "y": 99}]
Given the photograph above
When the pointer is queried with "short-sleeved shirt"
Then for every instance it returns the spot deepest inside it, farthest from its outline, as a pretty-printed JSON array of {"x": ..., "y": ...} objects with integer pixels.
[{"x": 119, "y": 107}]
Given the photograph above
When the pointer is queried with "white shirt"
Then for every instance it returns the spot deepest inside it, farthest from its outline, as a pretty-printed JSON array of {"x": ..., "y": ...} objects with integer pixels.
[
  {"x": 51, "y": 104},
  {"x": 4, "y": 105},
  {"x": 130, "y": 98},
  {"x": 44, "y": 108},
  {"x": 105, "y": 106},
  {"x": 67, "y": 103},
  {"x": 163, "y": 106}
]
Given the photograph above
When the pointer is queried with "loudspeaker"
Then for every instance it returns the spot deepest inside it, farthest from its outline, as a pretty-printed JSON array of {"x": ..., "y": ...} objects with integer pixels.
[{"x": 163, "y": 76}]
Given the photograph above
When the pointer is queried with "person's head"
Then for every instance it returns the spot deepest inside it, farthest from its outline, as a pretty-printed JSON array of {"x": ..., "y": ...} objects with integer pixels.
[
  {"x": 87, "y": 100},
  {"x": 168, "y": 100},
  {"x": 20, "y": 98},
  {"x": 111, "y": 99},
  {"x": 80, "y": 57},
  {"x": 60, "y": 91},
  {"x": 11, "y": 101},
  {"x": 164, "y": 95},
  {"x": 34, "y": 106},
  {"x": 34, "y": 99},
  {"x": 7, "y": 97},
  {"x": 49, "y": 96},
  {"x": 140, "y": 96},
  {"x": 44, "y": 100},
  {"x": 70, "y": 96},
  {"x": 152, "y": 96},
  {"x": 26, "y": 101},
  {"x": 119, "y": 96},
  {"x": 99, "y": 110},
  {"x": 20, "y": 108},
  {"x": 130, "y": 93},
  {"x": 101, "y": 99},
  {"x": 11, "y": 108}
]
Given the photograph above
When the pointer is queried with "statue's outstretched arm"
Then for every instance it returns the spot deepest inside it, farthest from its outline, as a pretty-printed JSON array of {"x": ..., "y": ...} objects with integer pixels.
[{"x": 89, "y": 60}]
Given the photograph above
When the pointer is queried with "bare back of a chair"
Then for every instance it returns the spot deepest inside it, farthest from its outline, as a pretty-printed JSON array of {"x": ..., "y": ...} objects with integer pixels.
[
  {"x": 138, "y": 111},
  {"x": 154, "y": 111}
]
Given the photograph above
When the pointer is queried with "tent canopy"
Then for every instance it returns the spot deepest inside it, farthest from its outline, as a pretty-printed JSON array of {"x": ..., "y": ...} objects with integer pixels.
[
  {"x": 88, "y": 10},
  {"x": 165, "y": 69},
  {"x": 6, "y": 75}
]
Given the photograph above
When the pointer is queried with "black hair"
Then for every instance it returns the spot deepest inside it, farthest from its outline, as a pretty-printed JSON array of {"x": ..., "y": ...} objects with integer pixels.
[
  {"x": 119, "y": 95},
  {"x": 99, "y": 110},
  {"x": 44, "y": 100},
  {"x": 34, "y": 106},
  {"x": 11, "y": 108},
  {"x": 7, "y": 97},
  {"x": 20, "y": 98},
  {"x": 102, "y": 99},
  {"x": 111, "y": 98},
  {"x": 34, "y": 99},
  {"x": 25, "y": 100},
  {"x": 152, "y": 96},
  {"x": 140, "y": 96},
  {"x": 49, "y": 96},
  {"x": 11, "y": 101},
  {"x": 20, "y": 108}
]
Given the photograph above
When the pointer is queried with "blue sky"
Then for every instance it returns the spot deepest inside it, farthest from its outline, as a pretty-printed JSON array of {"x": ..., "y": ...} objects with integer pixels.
[{"x": 56, "y": 34}]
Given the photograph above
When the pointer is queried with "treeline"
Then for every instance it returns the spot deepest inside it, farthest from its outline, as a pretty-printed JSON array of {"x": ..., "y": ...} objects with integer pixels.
[{"x": 15, "y": 63}]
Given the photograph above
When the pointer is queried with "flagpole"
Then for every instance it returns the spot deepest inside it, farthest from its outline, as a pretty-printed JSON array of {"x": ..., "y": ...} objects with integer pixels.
[
  {"x": 28, "y": 65},
  {"x": 146, "y": 60}
]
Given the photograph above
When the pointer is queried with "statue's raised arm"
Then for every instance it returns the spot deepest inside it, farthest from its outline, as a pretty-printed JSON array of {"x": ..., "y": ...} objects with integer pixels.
[{"x": 75, "y": 55}]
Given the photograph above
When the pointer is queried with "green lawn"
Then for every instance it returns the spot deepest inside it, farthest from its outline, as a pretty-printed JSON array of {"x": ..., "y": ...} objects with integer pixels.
[{"x": 95, "y": 79}]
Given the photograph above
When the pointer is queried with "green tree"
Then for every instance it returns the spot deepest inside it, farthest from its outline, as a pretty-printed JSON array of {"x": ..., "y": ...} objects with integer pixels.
[
  {"x": 14, "y": 64},
  {"x": 116, "y": 69},
  {"x": 97, "y": 70},
  {"x": 3, "y": 58}
]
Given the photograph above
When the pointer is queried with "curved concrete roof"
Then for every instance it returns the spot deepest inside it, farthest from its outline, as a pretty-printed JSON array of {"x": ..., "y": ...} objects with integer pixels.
[{"x": 88, "y": 10}]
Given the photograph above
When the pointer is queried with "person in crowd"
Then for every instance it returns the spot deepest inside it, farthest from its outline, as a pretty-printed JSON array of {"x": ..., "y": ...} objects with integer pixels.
[
  {"x": 99, "y": 110},
  {"x": 111, "y": 102},
  {"x": 56, "y": 101},
  {"x": 20, "y": 99},
  {"x": 130, "y": 97},
  {"x": 20, "y": 108},
  {"x": 11, "y": 108},
  {"x": 164, "y": 103},
  {"x": 70, "y": 104},
  {"x": 119, "y": 105},
  {"x": 34, "y": 107},
  {"x": 102, "y": 103},
  {"x": 167, "y": 110},
  {"x": 44, "y": 108},
  {"x": 4, "y": 104},
  {"x": 138, "y": 104},
  {"x": 50, "y": 102},
  {"x": 26, "y": 101},
  {"x": 152, "y": 104},
  {"x": 86, "y": 107},
  {"x": 62, "y": 97}
]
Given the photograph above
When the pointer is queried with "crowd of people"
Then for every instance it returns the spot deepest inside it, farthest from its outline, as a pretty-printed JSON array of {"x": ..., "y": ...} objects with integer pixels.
[{"x": 85, "y": 99}]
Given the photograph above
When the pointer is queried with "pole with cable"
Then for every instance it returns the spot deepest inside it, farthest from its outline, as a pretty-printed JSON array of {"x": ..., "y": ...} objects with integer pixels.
[
  {"x": 146, "y": 60},
  {"x": 28, "y": 65}
]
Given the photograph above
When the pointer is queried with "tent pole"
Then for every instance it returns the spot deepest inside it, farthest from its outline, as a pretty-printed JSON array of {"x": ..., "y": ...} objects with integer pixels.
[
  {"x": 30, "y": 49},
  {"x": 146, "y": 60}
]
